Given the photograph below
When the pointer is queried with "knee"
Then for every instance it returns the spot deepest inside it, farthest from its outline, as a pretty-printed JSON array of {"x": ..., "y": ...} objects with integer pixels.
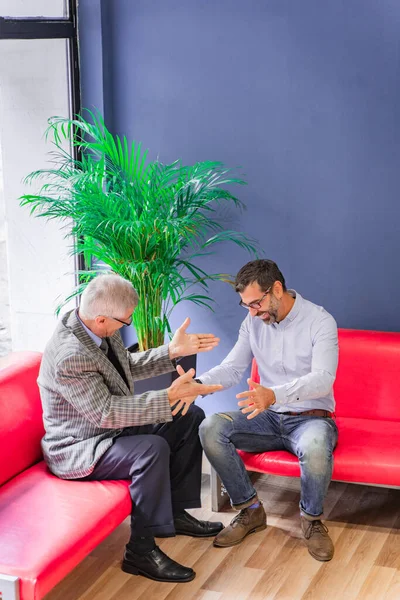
[
  {"x": 211, "y": 429},
  {"x": 157, "y": 448},
  {"x": 316, "y": 456}
]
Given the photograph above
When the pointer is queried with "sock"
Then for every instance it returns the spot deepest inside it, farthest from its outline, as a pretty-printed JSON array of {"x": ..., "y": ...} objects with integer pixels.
[
  {"x": 141, "y": 544},
  {"x": 178, "y": 512},
  {"x": 255, "y": 505}
]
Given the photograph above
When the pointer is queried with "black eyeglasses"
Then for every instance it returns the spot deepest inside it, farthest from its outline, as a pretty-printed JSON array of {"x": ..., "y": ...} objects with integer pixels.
[
  {"x": 123, "y": 322},
  {"x": 257, "y": 303}
]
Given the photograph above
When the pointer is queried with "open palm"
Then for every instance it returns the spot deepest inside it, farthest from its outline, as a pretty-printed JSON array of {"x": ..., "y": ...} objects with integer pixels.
[{"x": 185, "y": 344}]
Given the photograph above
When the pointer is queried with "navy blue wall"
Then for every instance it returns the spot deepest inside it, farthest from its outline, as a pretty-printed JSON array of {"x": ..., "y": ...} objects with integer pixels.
[{"x": 305, "y": 97}]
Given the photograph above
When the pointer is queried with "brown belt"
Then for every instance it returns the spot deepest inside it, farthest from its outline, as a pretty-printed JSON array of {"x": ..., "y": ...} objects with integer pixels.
[{"x": 316, "y": 412}]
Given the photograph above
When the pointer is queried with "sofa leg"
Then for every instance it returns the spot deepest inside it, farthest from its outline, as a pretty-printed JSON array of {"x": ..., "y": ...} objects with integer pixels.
[
  {"x": 219, "y": 495},
  {"x": 9, "y": 587}
]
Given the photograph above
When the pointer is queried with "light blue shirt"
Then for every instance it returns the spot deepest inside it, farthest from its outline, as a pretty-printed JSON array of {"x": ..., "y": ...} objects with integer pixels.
[
  {"x": 95, "y": 338},
  {"x": 297, "y": 358}
]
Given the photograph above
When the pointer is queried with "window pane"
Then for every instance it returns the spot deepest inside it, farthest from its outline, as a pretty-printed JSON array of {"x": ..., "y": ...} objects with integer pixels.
[
  {"x": 34, "y": 8},
  {"x": 34, "y": 85}
]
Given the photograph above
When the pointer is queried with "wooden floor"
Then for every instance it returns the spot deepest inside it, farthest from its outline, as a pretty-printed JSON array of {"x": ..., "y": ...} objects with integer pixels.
[{"x": 364, "y": 523}]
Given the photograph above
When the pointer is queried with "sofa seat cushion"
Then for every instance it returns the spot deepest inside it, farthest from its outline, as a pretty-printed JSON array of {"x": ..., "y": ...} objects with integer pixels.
[
  {"x": 49, "y": 525},
  {"x": 367, "y": 452}
]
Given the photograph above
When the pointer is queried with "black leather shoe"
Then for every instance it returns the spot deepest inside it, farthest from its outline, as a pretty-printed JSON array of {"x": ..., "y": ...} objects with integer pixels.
[
  {"x": 156, "y": 565},
  {"x": 185, "y": 524}
]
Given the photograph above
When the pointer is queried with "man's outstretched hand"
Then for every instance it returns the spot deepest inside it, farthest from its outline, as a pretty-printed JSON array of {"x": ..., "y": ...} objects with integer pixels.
[
  {"x": 258, "y": 399},
  {"x": 185, "y": 344},
  {"x": 184, "y": 390}
]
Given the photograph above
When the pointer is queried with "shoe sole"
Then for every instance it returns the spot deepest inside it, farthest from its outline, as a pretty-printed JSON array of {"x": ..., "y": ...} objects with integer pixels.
[
  {"x": 135, "y": 571},
  {"x": 319, "y": 558},
  {"x": 255, "y": 530}
]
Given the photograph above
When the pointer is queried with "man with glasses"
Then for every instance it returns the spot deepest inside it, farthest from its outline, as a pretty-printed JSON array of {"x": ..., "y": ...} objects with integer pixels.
[
  {"x": 295, "y": 344},
  {"x": 97, "y": 428}
]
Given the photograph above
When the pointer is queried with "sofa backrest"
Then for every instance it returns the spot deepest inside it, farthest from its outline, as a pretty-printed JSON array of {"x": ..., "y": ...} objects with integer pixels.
[
  {"x": 368, "y": 377},
  {"x": 21, "y": 423}
]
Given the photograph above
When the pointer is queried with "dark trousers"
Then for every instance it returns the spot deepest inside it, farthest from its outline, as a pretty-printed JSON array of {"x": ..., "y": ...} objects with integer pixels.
[{"x": 164, "y": 463}]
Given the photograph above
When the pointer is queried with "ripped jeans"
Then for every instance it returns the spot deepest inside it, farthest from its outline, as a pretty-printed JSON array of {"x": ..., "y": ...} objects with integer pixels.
[{"x": 311, "y": 439}]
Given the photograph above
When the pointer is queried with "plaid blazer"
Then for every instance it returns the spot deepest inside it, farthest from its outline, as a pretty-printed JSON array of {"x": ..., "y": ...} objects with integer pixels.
[{"x": 86, "y": 402}]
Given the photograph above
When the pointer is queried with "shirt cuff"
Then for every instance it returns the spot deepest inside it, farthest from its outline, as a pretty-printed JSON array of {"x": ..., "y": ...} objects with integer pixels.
[{"x": 280, "y": 393}]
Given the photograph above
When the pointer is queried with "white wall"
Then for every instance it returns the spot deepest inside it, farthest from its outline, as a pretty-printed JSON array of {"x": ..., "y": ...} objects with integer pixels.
[
  {"x": 5, "y": 336},
  {"x": 33, "y": 87}
]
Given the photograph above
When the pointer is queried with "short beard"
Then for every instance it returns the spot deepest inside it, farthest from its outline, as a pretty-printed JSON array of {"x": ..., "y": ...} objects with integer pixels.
[
  {"x": 271, "y": 320},
  {"x": 273, "y": 312}
]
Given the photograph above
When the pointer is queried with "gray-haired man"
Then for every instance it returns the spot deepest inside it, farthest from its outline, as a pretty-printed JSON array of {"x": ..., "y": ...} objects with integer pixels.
[{"x": 97, "y": 428}]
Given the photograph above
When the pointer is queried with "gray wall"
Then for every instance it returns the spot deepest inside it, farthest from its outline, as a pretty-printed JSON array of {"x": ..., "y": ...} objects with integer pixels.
[{"x": 305, "y": 97}]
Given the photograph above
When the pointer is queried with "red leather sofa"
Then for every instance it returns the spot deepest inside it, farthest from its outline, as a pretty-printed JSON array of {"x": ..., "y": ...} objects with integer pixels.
[
  {"x": 367, "y": 394},
  {"x": 47, "y": 525}
]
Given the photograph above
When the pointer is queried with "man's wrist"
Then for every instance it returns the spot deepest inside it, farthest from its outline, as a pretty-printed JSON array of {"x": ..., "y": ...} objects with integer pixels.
[{"x": 172, "y": 352}]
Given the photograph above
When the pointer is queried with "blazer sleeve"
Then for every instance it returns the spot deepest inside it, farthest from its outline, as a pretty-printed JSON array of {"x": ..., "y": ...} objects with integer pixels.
[
  {"x": 82, "y": 385},
  {"x": 150, "y": 363}
]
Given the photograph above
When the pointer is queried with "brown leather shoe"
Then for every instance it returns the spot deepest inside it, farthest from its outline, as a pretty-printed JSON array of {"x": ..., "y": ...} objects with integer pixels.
[
  {"x": 249, "y": 520},
  {"x": 319, "y": 544}
]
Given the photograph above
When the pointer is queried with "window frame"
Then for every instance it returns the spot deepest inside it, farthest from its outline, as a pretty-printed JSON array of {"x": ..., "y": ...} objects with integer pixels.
[{"x": 36, "y": 28}]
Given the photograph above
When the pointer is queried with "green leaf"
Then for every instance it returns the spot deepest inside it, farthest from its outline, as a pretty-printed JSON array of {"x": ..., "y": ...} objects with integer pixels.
[{"x": 147, "y": 221}]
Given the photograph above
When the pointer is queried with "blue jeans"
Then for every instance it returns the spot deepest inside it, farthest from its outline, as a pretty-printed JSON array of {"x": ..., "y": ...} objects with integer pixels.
[{"x": 311, "y": 439}]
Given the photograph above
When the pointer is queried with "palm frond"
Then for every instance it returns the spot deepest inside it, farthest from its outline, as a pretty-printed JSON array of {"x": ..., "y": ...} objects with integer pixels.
[{"x": 147, "y": 221}]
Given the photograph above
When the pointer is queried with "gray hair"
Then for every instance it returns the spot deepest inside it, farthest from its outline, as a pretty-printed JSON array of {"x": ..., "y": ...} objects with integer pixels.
[{"x": 109, "y": 295}]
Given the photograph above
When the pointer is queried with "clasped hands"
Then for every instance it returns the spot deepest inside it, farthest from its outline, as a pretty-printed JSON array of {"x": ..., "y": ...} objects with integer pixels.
[{"x": 184, "y": 390}]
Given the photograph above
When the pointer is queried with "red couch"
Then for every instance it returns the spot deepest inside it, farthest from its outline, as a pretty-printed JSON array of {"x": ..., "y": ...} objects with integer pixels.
[
  {"x": 367, "y": 393},
  {"x": 47, "y": 525}
]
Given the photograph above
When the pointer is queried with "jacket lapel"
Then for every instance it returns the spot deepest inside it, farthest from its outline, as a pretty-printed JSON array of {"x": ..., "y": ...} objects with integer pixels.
[{"x": 72, "y": 322}]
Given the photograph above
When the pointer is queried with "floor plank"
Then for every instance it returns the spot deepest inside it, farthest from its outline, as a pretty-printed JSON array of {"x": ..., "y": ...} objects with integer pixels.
[{"x": 364, "y": 523}]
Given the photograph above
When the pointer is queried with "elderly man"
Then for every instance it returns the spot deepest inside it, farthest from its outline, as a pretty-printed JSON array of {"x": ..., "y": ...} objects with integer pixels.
[
  {"x": 97, "y": 428},
  {"x": 296, "y": 347}
]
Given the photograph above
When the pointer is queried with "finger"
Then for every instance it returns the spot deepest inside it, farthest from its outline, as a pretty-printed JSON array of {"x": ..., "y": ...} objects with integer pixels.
[
  {"x": 180, "y": 370},
  {"x": 207, "y": 343},
  {"x": 254, "y": 414},
  {"x": 186, "y": 376},
  {"x": 245, "y": 394},
  {"x": 247, "y": 402},
  {"x": 187, "y": 406},
  {"x": 207, "y": 337},
  {"x": 185, "y": 324},
  {"x": 177, "y": 408},
  {"x": 206, "y": 348},
  {"x": 253, "y": 384},
  {"x": 249, "y": 409}
]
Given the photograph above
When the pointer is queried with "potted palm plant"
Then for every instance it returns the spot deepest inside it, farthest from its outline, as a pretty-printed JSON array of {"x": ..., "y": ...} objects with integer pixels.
[{"x": 149, "y": 222}]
